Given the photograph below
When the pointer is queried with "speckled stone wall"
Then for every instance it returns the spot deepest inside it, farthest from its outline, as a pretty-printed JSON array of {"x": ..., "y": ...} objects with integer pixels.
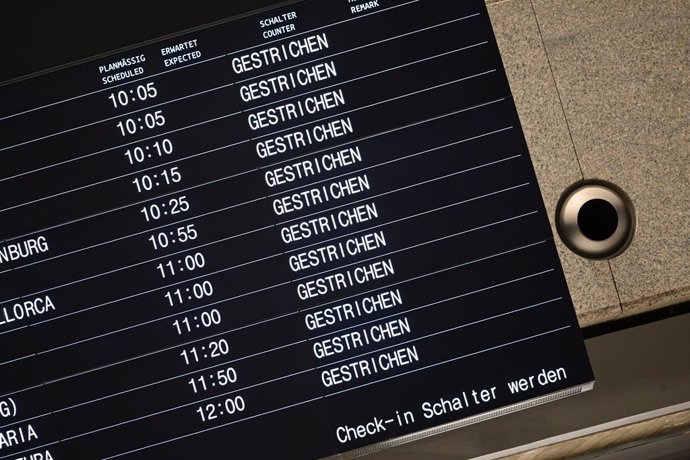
[{"x": 603, "y": 91}]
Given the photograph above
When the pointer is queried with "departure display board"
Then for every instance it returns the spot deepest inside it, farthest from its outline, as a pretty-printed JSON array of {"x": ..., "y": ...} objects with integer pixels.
[{"x": 312, "y": 230}]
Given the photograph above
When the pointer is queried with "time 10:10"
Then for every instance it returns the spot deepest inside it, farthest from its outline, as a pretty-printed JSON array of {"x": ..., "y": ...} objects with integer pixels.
[{"x": 140, "y": 154}]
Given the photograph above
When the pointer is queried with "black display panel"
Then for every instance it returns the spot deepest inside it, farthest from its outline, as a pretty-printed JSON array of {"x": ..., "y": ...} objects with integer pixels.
[{"x": 294, "y": 234}]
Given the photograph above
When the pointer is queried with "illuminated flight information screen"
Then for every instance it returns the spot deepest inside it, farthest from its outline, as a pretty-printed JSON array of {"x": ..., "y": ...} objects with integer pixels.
[{"x": 311, "y": 230}]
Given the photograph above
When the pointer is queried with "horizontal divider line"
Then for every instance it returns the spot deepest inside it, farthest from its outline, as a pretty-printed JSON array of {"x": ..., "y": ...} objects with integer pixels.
[
  {"x": 209, "y": 398},
  {"x": 299, "y": 311},
  {"x": 188, "y": 157},
  {"x": 115, "y": 117},
  {"x": 357, "y": 48},
  {"x": 199, "y": 371},
  {"x": 453, "y": 359},
  {"x": 415, "y": 246},
  {"x": 132, "y": 389},
  {"x": 296, "y": 158},
  {"x": 431, "y": 88},
  {"x": 135, "y": 173},
  {"x": 382, "y": 10},
  {"x": 316, "y": 152},
  {"x": 424, "y": 337},
  {"x": 252, "y": 231},
  {"x": 296, "y": 249},
  {"x": 160, "y": 104},
  {"x": 206, "y": 369},
  {"x": 163, "y": 411},
  {"x": 132, "y": 235},
  {"x": 214, "y": 119},
  {"x": 438, "y": 302},
  {"x": 317, "y": 274},
  {"x": 234, "y": 206},
  {"x": 109, "y": 88},
  {"x": 243, "y": 327},
  {"x": 401, "y": 219},
  {"x": 108, "y": 149},
  {"x": 363, "y": 77},
  {"x": 426, "y": 275},
  {"x": 194, "y": 248},
  {"x": 273, "y": 380},
  {"x": 205, "y": 60},
  {"x": 374, "y": 104},
  {"x": 407, "y": 187},
  {"x": 310, "y": 276}
]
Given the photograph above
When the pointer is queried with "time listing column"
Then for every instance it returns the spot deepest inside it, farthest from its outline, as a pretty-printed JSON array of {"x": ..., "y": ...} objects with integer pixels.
[{"x": 104, "y": 291}]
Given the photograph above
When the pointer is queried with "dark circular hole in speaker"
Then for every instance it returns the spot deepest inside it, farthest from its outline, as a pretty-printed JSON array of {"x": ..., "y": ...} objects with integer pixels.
[{"x": 597, "y": 219}]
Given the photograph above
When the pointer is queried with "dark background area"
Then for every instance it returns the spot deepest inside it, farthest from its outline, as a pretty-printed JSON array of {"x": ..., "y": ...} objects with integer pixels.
[{"x": 37, "y": 36}]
